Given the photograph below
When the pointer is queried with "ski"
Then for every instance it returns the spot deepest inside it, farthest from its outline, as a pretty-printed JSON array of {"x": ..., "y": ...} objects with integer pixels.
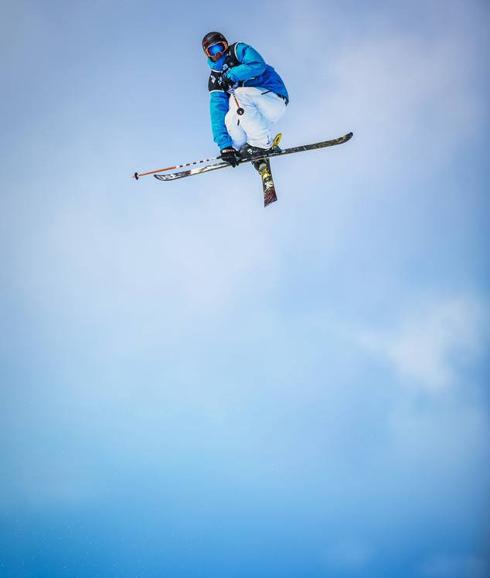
[
  {"x": 264, "y": 168},
  {"x": 278, "y": 153}
]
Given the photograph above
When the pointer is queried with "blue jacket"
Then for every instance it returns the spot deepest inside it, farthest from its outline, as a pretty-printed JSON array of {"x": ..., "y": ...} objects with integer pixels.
[{"x": 244, "y": 66}]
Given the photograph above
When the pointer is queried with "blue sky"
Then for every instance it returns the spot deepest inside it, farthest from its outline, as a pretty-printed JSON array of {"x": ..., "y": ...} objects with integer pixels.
[{"x": 194, "y": 386}]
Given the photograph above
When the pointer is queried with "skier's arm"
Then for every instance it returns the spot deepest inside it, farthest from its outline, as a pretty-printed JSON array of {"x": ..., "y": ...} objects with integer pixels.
[
  {"x": 218, "y": 107},
  {"x": 252, "y": 64}
]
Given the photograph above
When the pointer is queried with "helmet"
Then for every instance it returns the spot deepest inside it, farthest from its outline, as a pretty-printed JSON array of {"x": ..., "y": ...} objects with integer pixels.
[{"x": 214, "y": 45}]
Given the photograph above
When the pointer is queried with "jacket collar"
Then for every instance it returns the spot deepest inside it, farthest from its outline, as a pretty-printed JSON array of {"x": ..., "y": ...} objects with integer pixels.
[{"x": 218, "y": 65}]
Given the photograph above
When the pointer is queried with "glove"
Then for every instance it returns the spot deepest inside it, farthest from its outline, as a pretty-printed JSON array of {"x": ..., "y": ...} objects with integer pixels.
[
  {"x": 226, "y": 82},
  {"x": 230, "y": 156}
]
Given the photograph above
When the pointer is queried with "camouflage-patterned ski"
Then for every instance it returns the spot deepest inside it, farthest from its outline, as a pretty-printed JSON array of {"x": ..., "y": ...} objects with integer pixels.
[
  {"x": 263, "y": 166},
  {"x": 268, "y": 186}
]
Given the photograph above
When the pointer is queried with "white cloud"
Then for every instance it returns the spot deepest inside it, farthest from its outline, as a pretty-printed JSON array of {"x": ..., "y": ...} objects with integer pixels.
[
  {"x": 151, "y": 271},
  {"x": 427, "y": 346},
  {"x": 411, "y": 97}
]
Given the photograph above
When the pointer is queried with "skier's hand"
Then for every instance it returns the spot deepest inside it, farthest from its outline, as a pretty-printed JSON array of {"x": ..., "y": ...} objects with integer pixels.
[
  {"x": 227, "y": 82},
  {"x": 230, "y": 156}
]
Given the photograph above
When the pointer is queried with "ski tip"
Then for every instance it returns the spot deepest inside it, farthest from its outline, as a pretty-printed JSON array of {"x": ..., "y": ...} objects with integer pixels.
[
  {"x": 277, "y": 140},
  {"x": 349, "y": 135}
]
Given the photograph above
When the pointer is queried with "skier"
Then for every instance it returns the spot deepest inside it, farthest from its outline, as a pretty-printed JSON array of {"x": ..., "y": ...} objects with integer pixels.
[{"x": 247, "y": 97}]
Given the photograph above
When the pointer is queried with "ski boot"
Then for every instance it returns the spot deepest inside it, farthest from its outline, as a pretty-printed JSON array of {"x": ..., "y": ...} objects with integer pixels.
[{"x": 248, "y": 151}]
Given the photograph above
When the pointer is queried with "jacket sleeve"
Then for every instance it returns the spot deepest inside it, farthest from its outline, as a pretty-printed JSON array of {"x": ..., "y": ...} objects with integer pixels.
[
  {"x": 219, "y": 106},
  {"x": 252, "y": 64}
]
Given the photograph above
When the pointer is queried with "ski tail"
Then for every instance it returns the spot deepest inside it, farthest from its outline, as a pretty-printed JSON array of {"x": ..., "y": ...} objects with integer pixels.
[{"x": 268, "y": 186}]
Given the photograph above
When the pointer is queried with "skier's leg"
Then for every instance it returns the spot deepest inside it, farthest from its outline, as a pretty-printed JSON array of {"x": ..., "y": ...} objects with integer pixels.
[
  {"x": 261, "y": 110},
  {"x": 234, "y": 127}
]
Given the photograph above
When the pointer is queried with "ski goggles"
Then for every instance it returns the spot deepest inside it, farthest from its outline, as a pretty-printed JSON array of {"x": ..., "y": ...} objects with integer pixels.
[{"x": 214, "y": 51}]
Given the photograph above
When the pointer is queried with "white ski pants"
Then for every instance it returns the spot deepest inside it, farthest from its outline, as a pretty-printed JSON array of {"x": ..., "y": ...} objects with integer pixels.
[{"x": 261, "y": 110}]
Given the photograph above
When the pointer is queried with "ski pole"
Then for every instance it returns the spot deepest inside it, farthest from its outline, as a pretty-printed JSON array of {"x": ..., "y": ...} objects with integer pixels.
[
  {"x": 239, "y": 109},
  {"x": 138, "y": 175}
]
